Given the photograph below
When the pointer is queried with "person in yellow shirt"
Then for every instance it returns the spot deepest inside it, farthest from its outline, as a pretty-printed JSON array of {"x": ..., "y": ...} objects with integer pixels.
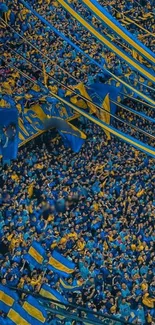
[
  {"x": 148, "y": 301},
  {"x": 14, "y": 176},
  {"x": 35, "y": 280},
  {"x": 80, "y": 244}
]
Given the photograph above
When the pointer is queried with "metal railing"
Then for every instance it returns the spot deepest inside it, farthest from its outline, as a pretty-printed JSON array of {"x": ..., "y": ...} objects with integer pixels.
[{"x": 72, "y": 312}]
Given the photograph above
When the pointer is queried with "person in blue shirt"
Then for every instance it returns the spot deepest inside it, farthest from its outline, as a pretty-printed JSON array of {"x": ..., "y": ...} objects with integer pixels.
[{"x": 124, "y": 308}]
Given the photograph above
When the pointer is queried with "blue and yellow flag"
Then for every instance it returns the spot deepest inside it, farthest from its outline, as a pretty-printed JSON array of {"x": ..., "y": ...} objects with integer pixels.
[
  {"x": 18, "y": 315},
  {"x": 67, "y": 287},
  {"x": 61, "y": 265},
  {"x": 71, "y": 135},
  {"x": 82, "y": 89},
  {"x": 47, "y": 292},
  {"x": 35, "y": 310},
  {"x": 35, "y": 255},
  {"x": 7, "y": 298}
]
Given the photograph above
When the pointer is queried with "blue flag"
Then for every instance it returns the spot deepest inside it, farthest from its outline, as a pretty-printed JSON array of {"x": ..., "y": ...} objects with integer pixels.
[
  {"x": 35, "y": 310},
  {"x": 18, "y": 316},
  {"x": 5, "y": 321},
  {"x": 35, "y": 255},
  {"x": 47, "y": 292},
  {"x": 98, "y": 92},
  {"x": 71, "y": 135},
  {"x": 61, "y": 265},
  {"x": 7, "y": 298},
  {"x": 8, "y": 133},
  {"x": 67, "y": 287}
]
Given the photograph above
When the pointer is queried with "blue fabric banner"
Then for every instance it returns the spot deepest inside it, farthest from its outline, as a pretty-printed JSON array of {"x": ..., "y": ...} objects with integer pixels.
[
  {"x": 7, "y": 298},
  {"x": 71, "y": 141},
  {"x": 71, "y": 135},
  {"x": 98, "y": 91},
  {"x": 35, "y": 310},
  {"x": 18, "y": 315},
  {"x": 121, "y": 31},
  {"x": 47, "y": 292},
  {"x": 67, "y": 287},
  {"x": 35, "y": 255},
  {"x": 61, "y": 265},
  {"x": 8, "y": 133},
  {"x": 5, "y": 321}
]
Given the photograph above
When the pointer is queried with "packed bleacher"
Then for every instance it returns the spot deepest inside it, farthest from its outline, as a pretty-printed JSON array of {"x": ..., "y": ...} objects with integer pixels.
[
  {"x": 136, "y": 17},
  {"x": 96, "y": 208},
  {"x": 109, "y": 233}
]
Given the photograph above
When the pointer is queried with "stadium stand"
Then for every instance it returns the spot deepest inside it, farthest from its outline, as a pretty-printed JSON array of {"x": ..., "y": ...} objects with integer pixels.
[{"x": 77, "y": 227}]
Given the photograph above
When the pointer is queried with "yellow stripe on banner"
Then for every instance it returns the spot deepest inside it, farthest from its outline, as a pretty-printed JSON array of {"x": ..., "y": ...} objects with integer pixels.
[
  {"x": 38, "y": 111},
  {"x": 16, "y": 318},
  {"x": 59, "y": 266},
  {"x": 66, "y": 286},
  {"x": 82, "y": 135},
  {"x": 21, "y": 126},
  {"x": 106, "y": 42},
  {"x": 21, "y": 136},
  {"x": 32, "y": 251},
  {"x": 47, "y": 294},
  {"x": 118, "y": 30},
  {"x": 82, "y": 89},
  {"x": 6, "y": 299},
  {"x": 34, "y": 312}
]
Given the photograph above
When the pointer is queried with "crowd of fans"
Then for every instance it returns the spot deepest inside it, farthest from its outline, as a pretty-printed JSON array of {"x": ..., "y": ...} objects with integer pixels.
[
  {"x": 61, "y": 55},
  {"x": 141, "y": 13},
  {"x": 108, "y": 231},
  {"x": 60, "y": 59}
]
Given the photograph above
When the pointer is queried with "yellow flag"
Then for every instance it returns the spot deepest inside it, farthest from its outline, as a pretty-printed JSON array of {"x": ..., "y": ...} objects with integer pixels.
[{"x": 83, "y": 92}]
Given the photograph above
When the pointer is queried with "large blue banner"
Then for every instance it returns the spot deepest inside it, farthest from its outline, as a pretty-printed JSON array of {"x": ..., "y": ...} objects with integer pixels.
[
  {"x": 8, "y": 133},
  {"x": 98, "y": 91}
]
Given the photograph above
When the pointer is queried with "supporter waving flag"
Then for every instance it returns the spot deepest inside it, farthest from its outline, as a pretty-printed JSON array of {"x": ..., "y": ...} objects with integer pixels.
[
  {"x": 35, "y": 255},
  {"x": 61, "y": 264}
]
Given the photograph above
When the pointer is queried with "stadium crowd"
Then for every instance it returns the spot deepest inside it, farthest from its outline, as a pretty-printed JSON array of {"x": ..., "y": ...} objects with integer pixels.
[
  {"x": 65, "y": 64},
  {"x": 141, "y": 17},
  {"x": 107, "y": 225},
  {"x": 108, "y": 232},
  {"x": 59, "y": 51}
]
